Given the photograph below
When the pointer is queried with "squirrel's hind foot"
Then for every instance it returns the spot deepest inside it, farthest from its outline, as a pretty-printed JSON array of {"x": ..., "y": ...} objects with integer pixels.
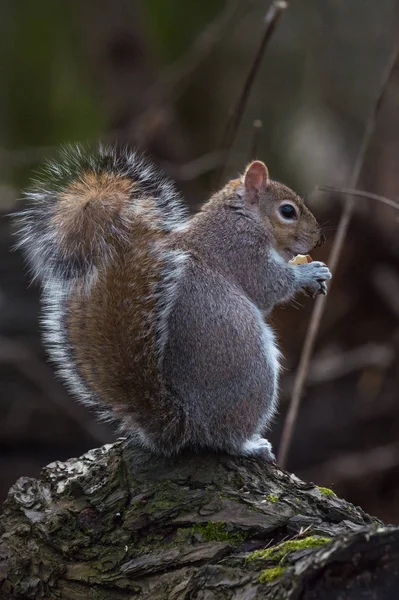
[{"x": 258, "y": 446}]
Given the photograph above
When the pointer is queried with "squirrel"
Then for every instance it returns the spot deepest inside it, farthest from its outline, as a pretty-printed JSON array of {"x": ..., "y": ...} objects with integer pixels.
[{"x": 157, "y": 318}]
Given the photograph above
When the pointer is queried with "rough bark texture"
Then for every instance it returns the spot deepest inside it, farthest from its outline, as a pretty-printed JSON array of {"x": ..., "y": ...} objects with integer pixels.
[{"x": 113, "y": 526}]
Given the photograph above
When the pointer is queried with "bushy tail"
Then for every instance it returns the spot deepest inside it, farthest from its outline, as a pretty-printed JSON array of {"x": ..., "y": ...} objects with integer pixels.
[{"x": 87, "y": 205}]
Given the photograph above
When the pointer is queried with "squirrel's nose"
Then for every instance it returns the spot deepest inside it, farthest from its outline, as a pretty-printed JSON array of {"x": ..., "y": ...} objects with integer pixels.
[{"x": 322, "y": 239}]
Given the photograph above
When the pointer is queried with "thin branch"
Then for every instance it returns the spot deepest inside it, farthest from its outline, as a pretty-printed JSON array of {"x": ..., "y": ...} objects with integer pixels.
[
  {"x": 176, "y": 77},
  {"x": 271, "y": 19},
  {"x": 336, "y": 250},
  {"x": 359, "y": 194}
]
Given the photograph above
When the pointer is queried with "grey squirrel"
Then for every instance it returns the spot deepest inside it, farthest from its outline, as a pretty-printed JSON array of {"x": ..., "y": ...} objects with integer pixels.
[{"x": 155, "y": 318}]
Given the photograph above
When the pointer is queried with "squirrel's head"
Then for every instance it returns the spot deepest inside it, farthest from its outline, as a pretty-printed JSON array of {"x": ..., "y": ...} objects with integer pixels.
[{"x": 294, "y": 227}]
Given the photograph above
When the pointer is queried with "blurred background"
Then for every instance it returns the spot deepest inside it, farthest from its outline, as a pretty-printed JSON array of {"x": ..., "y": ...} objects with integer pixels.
[{"x": 164, "y": 75}]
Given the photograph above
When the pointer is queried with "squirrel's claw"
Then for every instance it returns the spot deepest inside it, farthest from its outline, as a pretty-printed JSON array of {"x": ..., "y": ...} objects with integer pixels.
[{"x": 323, "y": 288}]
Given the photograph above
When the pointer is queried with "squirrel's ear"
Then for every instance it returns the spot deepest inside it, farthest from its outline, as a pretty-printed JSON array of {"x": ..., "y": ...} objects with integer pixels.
[{"x": 256, "y": 179}]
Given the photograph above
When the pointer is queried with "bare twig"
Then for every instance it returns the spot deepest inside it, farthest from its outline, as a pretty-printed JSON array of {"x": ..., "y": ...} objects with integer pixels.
[
  {"x": 339, "y": 240},
  {"x": 359, "y": 194},
  {"x": 271, "y": 19},
  {"x": 176, "y": 77}
]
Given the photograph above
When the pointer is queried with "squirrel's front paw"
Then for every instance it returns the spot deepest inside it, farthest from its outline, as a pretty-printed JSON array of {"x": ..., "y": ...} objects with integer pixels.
[{"x": 313, "y": 277}]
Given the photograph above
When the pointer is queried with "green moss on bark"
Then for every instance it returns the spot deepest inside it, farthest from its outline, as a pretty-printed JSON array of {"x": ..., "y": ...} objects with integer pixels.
[
  {"x": 272, "y": 498},
  {"x": 218, "y": 532},
  {"x": 269, "y": 575},
  {"x": 326, "y": 491},
  {"x": 281, "y": 551}
]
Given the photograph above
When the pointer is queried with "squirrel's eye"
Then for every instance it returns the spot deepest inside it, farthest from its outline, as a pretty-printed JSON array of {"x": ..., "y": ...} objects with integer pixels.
[{"x": 287, "y": 211}]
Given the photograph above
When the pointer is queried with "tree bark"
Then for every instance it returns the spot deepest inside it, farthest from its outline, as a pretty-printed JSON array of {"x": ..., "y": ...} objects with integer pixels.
[{"x": 114, "y": 524}]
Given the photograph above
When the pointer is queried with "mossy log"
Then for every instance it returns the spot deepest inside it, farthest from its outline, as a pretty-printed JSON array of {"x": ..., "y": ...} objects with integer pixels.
[{"x": 111, "y": 525}]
